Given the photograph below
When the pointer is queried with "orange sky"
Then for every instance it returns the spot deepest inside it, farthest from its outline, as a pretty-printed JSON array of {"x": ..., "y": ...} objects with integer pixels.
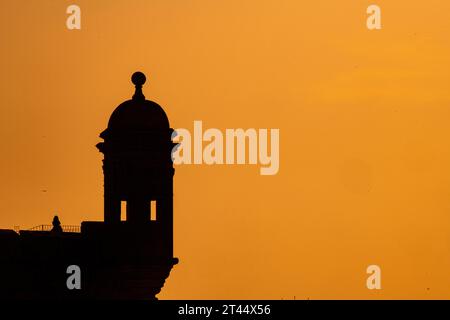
[{"x": 364, "y": 137}]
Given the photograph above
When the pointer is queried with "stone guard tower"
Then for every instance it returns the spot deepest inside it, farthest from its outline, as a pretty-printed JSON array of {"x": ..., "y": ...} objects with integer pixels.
[{"x": 134, "y": 244}]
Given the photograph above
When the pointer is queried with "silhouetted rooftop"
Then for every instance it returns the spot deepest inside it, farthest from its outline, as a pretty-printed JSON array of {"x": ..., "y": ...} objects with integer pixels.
[{"x": 138, "y": 114}]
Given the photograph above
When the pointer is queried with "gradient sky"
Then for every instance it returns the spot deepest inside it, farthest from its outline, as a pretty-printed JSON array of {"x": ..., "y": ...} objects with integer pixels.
[{"x": 364, "y": 133}]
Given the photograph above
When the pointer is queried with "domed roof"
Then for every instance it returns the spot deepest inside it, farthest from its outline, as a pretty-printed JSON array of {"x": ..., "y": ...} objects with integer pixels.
[{"x": 138, "y": 113}]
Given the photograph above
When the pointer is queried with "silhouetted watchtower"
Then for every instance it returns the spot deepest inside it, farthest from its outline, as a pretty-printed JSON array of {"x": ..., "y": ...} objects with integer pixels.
[{"x": 138, "y": 169}]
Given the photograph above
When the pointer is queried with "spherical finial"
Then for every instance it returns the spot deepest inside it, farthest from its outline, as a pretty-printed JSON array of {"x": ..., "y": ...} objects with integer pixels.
[{"x": 138, "y": 78}]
